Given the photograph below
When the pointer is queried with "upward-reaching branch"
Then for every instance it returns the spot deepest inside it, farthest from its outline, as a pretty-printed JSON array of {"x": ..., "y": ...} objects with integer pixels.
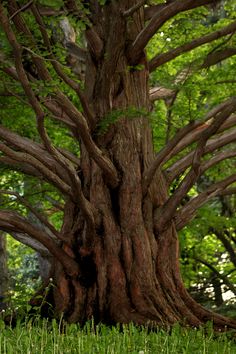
[
  {"x": 12, "y": 221},
  {"x": 166, "y": 212},
  {"x": 161, "y": 59},
  {"x": 187, "y": 212},
  {"x": 58, "y": 68},
  {"x": 167, "y": 12},
  {"x": 213, "y": 144},
  {"x": 105, "y": 163}
]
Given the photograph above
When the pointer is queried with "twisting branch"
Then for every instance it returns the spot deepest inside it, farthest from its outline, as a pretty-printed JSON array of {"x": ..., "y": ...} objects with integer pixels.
[
  {"x": 36, "y": 164},
  {"x": 195, "y": 134},
  {"x": 12, "y": 221},
  {"x": 136, "y": 49},
  {"x": 216, "y": 159},
  {"x": 187, "y": 135},
  {"x": 33, "y": 149},
  {"x": 161, "y": 59},
  {"x": 103, "y": 161},
  {"x": 211, "y": 130},
  {"x": 77, "y": 190},
  {"x": 188, "y": 211},
  {"x": 162, "y": 155},
  {"x": 58, "y": 67},
  {"x": 165, "y": 213},
  {"x": 21, "y": 26},
  {"x": 34, "y": 211},
  {"x": 181, "y": 165}
]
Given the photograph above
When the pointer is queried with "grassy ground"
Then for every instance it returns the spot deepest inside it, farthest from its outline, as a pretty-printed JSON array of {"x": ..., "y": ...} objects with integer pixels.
[{"x": 45, "y": 338}]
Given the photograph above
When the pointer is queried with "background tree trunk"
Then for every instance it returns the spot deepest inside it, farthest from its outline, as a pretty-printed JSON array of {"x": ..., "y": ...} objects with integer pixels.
[{"x": 3, "y": 272}]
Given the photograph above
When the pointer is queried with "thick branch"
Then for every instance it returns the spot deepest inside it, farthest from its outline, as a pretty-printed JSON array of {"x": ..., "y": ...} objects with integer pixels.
[
  {"x": 188, "y": 211},
  {"x": 152, "y": 10},
  {"x": 20, "y": 166},
  {"x": 167, "y": 12},
  {"x": 162, "y": 155},
  {"x": 218, "y": 56},
  {"x": 34, "y": 211},
  {"x": 32, "y": 161},
  {"x": 34, "y": 149},
  {"x": 166, "y": 212},
  {"x": 11, "y": 221},
  {"x": 58, "y": 67},
  {"x": 161, "y": 59},
  {"x": 181, "y": 165},
  {"x": 160, "y": 92},
  {"x": 185, "y": 136},
  {"x": 103, "y": 161},
  {"x": 196, "y": 133},
  {"x": 35, "y": 245}
]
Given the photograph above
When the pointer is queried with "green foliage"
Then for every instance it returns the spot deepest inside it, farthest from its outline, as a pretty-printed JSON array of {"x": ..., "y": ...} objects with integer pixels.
[{"x": 23, "y": 272}]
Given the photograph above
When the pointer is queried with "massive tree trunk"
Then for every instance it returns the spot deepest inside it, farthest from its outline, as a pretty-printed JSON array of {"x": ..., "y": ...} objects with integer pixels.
[
  {"x": 117, "y": 254},
  {"x": 128, "y": 269}
]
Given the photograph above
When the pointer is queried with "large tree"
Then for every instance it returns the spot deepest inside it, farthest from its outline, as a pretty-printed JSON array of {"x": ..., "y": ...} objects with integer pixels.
[{"x": 116, "y": 252}]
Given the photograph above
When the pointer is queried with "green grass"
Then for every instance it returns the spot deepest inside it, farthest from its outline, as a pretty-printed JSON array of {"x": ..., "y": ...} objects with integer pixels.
[{"x": 43, "y": 337}]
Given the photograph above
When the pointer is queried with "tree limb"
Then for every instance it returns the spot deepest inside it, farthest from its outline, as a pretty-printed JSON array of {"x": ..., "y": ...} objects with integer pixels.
[
  {"x": 218, "y": 56},
  {"x": 34, "y": 211},
  {"x": 161, "y": 59},
  {"x": 182, "y": 139},
  {"x": 181, "y": 165},
  {"x": 58, "y": 67},
  {"x": 188, "y": 211},
  {"x": 165, "y": 213},
  {"x": 194, "y": 135},
  {"x": 12, "y": 221},
  {"x": 44, "y": 171},
  {"x": 160, "y": 92},
  {"x": 30, "y": 242},
  {"x": 167, "y": 12},
  {"x": 162, "y": 155},
  {"x": 103, "y": 162},
  {"x": 35, "y": 150}
]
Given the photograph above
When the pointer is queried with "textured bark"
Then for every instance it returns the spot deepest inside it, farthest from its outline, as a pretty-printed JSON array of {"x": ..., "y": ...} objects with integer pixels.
[{"x": 128, "y": 271}]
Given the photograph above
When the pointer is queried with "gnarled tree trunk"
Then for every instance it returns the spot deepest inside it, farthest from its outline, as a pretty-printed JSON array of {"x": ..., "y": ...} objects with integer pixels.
[{"x": 128, "y": 269}]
